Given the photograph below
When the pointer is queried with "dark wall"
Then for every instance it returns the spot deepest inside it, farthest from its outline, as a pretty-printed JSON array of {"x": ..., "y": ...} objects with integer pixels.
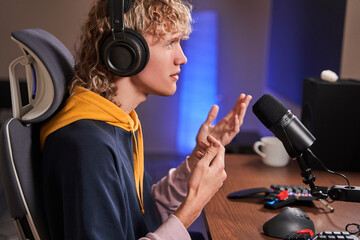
[{"x": 305, "y": 38}]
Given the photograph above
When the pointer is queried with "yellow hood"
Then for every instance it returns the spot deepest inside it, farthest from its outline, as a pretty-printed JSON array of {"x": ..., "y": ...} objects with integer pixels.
[{"x": 84, "y": 104}]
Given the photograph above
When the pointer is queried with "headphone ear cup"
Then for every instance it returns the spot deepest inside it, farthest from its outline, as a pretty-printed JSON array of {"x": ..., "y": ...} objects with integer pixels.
[{"x": 127, "y": 54}]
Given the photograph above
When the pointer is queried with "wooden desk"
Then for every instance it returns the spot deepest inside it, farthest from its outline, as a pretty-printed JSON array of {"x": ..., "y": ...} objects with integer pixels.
[{"x": 243, "y": 218}]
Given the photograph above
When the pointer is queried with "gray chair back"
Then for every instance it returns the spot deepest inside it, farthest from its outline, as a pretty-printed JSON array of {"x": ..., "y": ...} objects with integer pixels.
[{"x": 48, "y": 68}]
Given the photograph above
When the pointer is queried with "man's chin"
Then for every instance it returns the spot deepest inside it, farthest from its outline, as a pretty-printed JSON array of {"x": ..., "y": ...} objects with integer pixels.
[{"x": 167, "y": 94}]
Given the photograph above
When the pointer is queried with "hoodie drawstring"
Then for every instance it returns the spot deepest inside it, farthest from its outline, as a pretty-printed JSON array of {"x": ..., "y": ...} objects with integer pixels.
[{"x": 138, "y": 166}]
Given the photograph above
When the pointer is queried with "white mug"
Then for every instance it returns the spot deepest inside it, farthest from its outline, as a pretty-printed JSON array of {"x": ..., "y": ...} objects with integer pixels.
[{"x": 272, "y": 151}]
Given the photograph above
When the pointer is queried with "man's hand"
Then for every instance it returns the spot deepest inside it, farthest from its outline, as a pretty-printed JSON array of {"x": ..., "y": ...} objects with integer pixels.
[
  {"x": 207, "y": 176},
  {"x": 228, "y": 127}
]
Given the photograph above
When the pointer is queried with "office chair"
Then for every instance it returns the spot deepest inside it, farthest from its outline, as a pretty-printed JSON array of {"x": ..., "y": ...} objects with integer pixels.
[{"x": 48, "y": 67}]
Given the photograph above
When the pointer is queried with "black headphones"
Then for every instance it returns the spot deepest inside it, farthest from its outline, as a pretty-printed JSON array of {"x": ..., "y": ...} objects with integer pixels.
[{"x": 124, "y": 51}]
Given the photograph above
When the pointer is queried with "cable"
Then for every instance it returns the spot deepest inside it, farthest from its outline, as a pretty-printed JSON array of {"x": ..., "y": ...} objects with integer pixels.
[
  {"x": 351, "y": 225},
  {"x": 326, "y": 204},
  {"x": 330, "y": 171}
]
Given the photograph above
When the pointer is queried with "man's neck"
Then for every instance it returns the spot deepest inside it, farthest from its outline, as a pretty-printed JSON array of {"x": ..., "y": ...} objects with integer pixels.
[{"x": 128, "y": 97}]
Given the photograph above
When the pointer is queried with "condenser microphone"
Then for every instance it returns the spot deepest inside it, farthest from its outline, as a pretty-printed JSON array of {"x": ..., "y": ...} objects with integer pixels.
[{"x": 295, "y": 137}]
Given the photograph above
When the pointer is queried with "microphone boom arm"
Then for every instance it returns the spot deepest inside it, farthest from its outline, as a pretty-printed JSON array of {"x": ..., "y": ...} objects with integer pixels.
[
  {"x": 337, "y": 193},
  {"x": 309, "y": 179}
]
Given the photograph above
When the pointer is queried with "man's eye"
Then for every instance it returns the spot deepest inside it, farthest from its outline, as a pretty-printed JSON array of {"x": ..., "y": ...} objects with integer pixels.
[{"x": 171, "y": 43}]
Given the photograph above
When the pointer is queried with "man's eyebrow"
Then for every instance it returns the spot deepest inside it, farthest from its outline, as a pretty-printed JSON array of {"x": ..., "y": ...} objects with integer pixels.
[
  {"x": 178, "y": 36},
  {"x": 175, "y": 38}
]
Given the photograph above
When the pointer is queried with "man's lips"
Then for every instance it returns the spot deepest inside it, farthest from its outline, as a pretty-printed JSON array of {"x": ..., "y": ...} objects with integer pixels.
[{"x": 175, "y": 75}]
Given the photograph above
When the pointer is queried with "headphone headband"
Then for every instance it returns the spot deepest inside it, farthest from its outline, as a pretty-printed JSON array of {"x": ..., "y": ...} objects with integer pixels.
[{"x": 117, "y": 17}]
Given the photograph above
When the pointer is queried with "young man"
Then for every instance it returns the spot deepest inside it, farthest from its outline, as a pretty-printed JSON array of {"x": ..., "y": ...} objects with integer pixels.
[{"x": 95, "y": 186}]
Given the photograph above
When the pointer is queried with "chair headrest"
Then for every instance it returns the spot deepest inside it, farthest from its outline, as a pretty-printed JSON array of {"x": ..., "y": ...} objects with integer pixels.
[{"x": 48, "y": 66}]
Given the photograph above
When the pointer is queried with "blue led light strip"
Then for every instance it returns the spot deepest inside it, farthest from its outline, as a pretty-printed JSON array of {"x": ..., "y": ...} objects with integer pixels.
[{"x": 198, "y": 86}]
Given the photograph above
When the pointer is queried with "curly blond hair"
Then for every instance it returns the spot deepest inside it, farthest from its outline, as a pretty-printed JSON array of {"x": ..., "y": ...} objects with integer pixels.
[{"x": 155, "y": 17}]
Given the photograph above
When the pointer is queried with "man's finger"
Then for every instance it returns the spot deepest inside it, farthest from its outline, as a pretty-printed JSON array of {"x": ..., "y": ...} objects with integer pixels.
[
  {"x": 244, "y": 99},
  {"x": 208, "y": 156},
  {"x": 199, "y": 154},
  {"x": 238, "y": 102},
  {"x": 203, "y": 145},
  {"x": 236, "y": 108},
  {"x": 237, "y": 124},
  {"x": 243, "y": 107},
  {"x": 212, "y": 150},
  {"x": 212, "y": 114},
  {"x": 218, "y": 161}
]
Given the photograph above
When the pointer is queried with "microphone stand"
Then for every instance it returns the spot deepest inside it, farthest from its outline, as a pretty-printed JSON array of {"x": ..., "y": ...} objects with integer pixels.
[
  {"x": 309, "y": 179},
  {"x": 338, "y": 192}
]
